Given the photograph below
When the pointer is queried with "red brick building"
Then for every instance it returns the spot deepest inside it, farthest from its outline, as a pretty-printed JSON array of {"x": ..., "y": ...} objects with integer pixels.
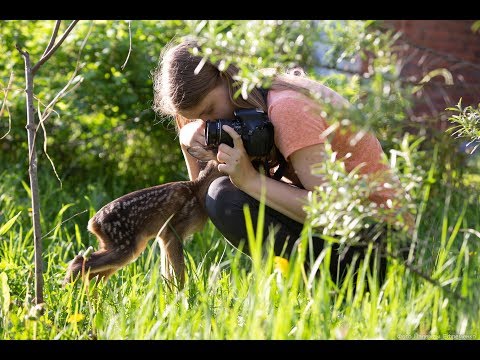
[{"x": 426, "y": 45}]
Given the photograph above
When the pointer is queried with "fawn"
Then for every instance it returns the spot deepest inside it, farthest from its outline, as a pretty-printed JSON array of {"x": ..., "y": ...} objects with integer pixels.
[{"x": 170, "y": 211}]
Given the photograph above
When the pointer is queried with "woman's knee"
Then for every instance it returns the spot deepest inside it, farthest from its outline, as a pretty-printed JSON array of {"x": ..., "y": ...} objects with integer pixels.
[
  {"x": 224, "y": 200},
  {"x": 225, "y": 207}
]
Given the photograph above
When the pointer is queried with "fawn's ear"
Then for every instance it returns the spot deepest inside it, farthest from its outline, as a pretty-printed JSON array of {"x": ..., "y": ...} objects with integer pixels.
[{"x": 201, "y": 153}]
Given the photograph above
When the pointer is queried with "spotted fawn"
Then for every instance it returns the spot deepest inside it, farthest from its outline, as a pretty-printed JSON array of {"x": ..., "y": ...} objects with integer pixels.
[{"x": 170, "y": 212}]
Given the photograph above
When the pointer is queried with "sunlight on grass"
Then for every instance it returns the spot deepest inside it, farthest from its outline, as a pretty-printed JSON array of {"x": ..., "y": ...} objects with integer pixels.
[{"x": 229, "y": 295}]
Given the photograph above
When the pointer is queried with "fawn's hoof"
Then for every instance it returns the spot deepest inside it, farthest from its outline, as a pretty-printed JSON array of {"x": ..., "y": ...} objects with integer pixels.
[{"x": 74, "y": 269}]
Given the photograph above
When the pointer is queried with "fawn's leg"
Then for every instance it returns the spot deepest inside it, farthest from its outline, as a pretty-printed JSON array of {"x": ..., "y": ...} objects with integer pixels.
[
  {"x": 102, "y": 262},
  {"x": 166, "y": 268},
  {"x": 172, "y": 256}
]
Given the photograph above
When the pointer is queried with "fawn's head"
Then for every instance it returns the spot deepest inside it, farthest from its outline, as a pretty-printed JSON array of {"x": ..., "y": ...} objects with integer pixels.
[
  {"x": 203, "y": 153},
  {"x": 206, "y": 154}
]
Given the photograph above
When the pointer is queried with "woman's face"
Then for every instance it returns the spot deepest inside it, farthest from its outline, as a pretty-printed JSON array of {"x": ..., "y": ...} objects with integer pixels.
[{"x": 215, "y": 105}]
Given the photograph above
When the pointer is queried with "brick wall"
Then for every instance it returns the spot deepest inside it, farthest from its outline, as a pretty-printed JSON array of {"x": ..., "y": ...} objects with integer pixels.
[{"x": 427, "y": 45}]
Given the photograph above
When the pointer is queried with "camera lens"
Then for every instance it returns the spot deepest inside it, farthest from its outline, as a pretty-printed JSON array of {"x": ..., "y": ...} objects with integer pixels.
[{"x": 212, "y": 132}]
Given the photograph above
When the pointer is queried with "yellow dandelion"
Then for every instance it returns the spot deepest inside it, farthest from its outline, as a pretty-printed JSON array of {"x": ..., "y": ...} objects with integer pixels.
[
  {"x": 74, "y": 318},
  {"x": 281, "y": 264}
]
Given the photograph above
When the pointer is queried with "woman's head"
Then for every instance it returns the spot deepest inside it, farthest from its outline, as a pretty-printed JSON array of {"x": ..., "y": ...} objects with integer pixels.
[{"x": 183, "y": 84}]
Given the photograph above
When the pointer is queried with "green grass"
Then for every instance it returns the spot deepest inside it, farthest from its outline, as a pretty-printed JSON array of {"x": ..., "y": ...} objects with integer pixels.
[{"x": 231, "y": 296}]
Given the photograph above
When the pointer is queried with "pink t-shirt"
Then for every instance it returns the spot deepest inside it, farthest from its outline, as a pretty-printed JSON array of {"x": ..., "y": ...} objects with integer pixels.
[{"x": 299, "y": 123}]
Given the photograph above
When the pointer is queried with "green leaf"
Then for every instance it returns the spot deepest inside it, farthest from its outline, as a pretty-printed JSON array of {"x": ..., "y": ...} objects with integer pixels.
[
  {"x": 4, "y": 294},
  {"x": 5, "y": 227},
  {"x": 476, "y": 26},
  {"x": 27, "y": 189},
  {"x": 63, "y": 209}
]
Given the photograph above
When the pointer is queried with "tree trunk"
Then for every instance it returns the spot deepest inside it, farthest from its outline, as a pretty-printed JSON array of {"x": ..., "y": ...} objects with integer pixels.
[
  {"x": 32, "y": 171},
  {"x": 32, "y": 153}
]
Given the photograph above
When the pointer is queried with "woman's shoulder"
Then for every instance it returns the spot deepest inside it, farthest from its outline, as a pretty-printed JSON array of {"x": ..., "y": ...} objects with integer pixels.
[
  {"x": 276, "y": 96},
  {"x": 314, "y": 95},
  {"x": 288, "y": 102}
]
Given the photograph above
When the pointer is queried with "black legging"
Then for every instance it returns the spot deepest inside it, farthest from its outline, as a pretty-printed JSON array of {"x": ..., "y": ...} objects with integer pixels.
[{"x": 224, "y": 203}]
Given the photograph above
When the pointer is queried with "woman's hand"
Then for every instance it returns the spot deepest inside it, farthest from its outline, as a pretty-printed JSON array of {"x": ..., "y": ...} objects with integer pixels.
[
  {"x": 235, "y": 161},
  {"x": 193, "y": 134}
]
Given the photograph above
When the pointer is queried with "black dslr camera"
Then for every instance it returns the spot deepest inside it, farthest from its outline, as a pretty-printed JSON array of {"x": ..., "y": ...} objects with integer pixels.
[{"x": 253, "y": 126}]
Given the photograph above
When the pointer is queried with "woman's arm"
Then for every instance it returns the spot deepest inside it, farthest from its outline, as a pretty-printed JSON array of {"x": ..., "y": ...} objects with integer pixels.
[{"x": 286, "y": 199}]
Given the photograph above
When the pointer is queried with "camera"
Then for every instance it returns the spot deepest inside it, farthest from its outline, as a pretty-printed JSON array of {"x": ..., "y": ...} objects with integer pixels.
[{"x": 252, "y": 125}]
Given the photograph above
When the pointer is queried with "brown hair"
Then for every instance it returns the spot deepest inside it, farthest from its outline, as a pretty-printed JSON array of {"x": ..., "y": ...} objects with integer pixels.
[{"x": 182, "y": 79}]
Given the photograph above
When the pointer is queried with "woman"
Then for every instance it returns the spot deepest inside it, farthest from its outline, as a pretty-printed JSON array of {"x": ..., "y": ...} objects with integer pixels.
[{"x": 192, "y": 93}]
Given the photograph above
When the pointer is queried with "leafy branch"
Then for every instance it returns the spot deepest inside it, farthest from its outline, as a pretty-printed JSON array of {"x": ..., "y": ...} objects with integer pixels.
[
  {"x": 5, "y": 104},
  {"x": 468, "y": 123}
]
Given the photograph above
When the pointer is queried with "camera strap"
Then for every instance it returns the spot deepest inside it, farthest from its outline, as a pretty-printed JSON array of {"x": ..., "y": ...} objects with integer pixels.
[
  {"x": 281, "y": 167},
  {"x": 281, "y": 160}
]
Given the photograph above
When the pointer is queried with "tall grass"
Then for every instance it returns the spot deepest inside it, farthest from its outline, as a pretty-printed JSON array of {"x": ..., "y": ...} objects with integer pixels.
[{"x": 231, "y": 296}]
